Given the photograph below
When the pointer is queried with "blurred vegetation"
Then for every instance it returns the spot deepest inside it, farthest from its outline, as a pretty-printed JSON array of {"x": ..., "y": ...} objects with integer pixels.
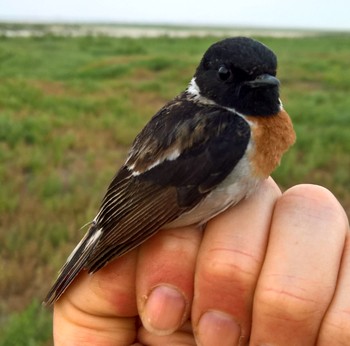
[
  {"x": 69, "y": 109},
  {"x": 31, "y": 327}
]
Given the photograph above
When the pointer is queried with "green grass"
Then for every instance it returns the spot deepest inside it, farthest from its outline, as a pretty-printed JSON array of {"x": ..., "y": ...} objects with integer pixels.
[
  {"x": 69, "y": 109},
  {"x": 31, "y": 327}
]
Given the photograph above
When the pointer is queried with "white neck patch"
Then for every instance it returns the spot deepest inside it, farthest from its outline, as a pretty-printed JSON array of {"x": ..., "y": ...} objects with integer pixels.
[
  {"x": 193, "y": 88},
  {"x": 194, "y": 91}
]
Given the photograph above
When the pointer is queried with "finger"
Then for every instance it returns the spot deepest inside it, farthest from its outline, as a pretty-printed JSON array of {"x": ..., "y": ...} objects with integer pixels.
[
  {"x": 228, "y": 266},
  {"x": 181, "y": 337},
  {"x": 164, "y": 279},
  {"x": 299, "y": 274},
  {"x": 335, "y": 329},
  {"x": 99, "y": 309}
]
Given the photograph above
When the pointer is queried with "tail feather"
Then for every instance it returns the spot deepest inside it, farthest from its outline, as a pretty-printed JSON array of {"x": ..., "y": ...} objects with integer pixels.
[{"x": 74, "y": 264}]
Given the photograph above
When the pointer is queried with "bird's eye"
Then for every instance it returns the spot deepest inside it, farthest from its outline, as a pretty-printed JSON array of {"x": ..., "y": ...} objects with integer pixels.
[{"x": 224, "y": 73}]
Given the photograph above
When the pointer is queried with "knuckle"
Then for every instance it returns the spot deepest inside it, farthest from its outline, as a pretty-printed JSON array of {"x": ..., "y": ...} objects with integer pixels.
[
  {"x": 230, "y": 266},
  {"x": 287, "y": 304}
]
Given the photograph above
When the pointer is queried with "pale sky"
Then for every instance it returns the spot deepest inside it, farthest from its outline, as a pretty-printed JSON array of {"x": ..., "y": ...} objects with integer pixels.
[{"x": 304, "y": 14}]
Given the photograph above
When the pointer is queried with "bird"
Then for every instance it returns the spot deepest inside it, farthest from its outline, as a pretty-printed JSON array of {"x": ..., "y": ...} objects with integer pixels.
[{"x": 202, "y": 152}]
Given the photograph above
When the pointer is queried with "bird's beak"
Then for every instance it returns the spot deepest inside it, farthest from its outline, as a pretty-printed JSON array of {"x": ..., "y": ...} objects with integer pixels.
[{"x": 264, "y": 80}]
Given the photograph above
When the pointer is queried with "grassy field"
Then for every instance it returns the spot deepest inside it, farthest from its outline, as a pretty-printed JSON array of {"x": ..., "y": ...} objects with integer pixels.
[{"x": 69, "y": 109}]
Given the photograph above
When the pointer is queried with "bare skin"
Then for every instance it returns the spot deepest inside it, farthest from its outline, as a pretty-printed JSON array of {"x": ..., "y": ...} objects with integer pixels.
[{"x": 273, "y": 270}]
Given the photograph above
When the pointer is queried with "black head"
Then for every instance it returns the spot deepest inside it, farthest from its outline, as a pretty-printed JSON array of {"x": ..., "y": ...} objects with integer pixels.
[{"x": 240, "y": 73}]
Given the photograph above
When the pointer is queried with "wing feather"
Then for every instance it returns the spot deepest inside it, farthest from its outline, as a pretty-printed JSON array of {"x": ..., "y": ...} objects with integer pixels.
[
  {"x": 142, "y": 221},
  {"x": 74, "y": 264}
]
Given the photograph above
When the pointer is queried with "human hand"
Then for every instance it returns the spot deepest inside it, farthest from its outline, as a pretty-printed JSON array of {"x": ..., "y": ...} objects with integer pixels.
[{"x": 275, "y": 269}]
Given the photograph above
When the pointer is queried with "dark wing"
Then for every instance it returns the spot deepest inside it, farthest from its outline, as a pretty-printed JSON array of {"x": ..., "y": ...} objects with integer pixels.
[
  {"x": 141, "y": 199},
  {"x": 200, "y": 151}
]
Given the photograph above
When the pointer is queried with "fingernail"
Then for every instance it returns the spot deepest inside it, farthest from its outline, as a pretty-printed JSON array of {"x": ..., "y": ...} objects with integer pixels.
[
  {"x": 164, "y": 310},
  {"x": 217, "y": 328}
]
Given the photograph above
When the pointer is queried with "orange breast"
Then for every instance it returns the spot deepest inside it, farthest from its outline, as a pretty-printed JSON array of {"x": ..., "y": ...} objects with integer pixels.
[{"x": 272, "y": 136}]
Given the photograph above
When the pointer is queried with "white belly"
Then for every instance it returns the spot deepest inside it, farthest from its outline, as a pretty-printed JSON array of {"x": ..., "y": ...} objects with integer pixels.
[{"x": 238, "y": 185}]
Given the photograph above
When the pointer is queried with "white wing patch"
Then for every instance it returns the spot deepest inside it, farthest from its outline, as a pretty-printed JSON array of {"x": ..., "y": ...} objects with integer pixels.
[{"x": 170, "y": 157}]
